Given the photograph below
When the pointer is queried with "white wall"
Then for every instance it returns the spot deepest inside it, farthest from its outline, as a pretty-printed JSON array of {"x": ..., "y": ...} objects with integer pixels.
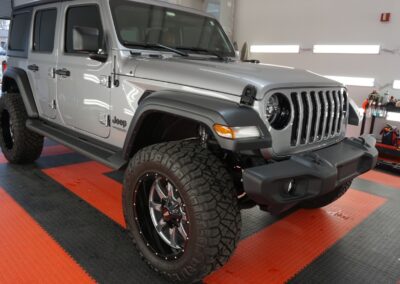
[
  {"x": 309, "y": 22},
  {"x": 223, "y": 10},
  {"x": 196, "y": 4},
  {"x": 226, "y": 17}
]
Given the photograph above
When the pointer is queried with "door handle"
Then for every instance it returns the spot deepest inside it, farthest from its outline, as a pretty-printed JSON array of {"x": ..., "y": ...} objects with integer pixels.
[
  {"x": 63, "y": 72},
  {"x": 33, "y": 67}
]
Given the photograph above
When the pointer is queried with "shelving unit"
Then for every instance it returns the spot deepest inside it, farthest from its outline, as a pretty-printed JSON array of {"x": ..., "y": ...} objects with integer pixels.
[{"x": 389, "y": 156}]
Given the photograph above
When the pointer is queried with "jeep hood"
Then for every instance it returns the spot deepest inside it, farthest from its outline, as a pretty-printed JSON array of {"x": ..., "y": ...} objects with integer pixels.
[{"x": 228, "y": 77}]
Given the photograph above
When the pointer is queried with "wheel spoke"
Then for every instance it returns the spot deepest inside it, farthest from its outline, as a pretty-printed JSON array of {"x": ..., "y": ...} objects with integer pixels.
[
  {"x": 172, "y": 233},
  {"x": 170, "y": 190},
  {"x": 182, "y": 232},
  {"x": 161, "y": 225},
  {"x": 184, "y": 217},
  {"x": 155, "y": 206},
  {"x": 158, "y": 188}
]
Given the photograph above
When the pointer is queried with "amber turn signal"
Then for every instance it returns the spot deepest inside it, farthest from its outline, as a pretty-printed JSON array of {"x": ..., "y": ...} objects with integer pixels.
[{"x": 237, "y": 132}]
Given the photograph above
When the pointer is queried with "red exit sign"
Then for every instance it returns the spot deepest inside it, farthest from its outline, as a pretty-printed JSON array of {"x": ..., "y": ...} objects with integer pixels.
[{"x": 385, "y": 17}]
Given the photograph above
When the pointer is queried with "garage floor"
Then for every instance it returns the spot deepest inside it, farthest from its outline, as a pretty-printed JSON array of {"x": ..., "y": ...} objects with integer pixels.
[{"x": 61, "y": 221}]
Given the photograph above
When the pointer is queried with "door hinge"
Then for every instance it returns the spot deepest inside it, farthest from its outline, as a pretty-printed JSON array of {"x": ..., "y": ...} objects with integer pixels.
[
  {"x": 52, "y": 73},
  {"x": 105, "y": 81},
  {"x": 105, "y": 119},
  {"x": 109, "y": 83},
  {"x": 53, "y": 104}
]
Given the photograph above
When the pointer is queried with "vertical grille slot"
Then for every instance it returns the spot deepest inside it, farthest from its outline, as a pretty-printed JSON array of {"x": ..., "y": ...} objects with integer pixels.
[
  {"x": 317, "y": 116},
  {"x": 296, "y": 119},
  {"x": 329, "y": 113},
  {"x": 314, "y": 125},
  {"x": 323, "y": 117},
  {"x": 345, "y": 103},
  {"x": 339, "y": 124},
  {"x": 305, "y": 124},
  {"x": 335, "y": 112}
]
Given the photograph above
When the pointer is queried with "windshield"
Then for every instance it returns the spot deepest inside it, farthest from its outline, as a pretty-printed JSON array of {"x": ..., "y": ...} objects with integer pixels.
[{"x": 139, "y": 24}]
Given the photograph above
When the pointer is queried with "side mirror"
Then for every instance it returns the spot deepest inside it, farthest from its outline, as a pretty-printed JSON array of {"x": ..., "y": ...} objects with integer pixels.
[
  {"x": 98, "y": 57},
  {"x": 85, "y": 39}
]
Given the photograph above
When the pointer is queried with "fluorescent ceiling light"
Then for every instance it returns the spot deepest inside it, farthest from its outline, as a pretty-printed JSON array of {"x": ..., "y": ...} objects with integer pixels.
[
  {"x": 393, "y": 116},
  {"x": 275, "y": 48},
  {"x": 396, "y": 84},
  {"x": 354, "y": 81},
  {"x": 347, "y": 49}
]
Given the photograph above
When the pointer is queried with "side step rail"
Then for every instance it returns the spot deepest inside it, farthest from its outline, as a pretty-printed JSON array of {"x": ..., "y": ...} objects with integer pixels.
[{"x": 93, "y": 151}]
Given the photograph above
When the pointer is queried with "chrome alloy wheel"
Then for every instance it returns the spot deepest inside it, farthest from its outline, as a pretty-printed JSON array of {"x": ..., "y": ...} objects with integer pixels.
[
  {"x": 166, "y": 218},
  {"x": 167, "y": 212}
]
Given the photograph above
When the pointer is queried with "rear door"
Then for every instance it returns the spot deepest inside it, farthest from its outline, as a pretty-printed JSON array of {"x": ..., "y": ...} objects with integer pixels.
[{"x": 43, "y": 58}]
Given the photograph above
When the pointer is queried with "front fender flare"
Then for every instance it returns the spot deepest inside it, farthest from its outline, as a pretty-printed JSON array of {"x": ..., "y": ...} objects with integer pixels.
[{"x": 205, "y": 110}]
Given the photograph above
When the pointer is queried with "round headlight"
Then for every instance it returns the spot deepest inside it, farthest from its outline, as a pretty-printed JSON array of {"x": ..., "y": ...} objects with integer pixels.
[{"x": 277, "y": 111}]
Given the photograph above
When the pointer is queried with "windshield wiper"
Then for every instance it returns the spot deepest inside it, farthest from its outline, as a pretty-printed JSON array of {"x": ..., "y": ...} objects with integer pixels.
[
  {"x": 156, "y": 45},
  {"x": 204, "y": 51}
]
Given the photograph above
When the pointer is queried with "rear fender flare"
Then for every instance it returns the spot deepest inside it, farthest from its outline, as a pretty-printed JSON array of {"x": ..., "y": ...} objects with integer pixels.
[{"x": 20, "y": 78}]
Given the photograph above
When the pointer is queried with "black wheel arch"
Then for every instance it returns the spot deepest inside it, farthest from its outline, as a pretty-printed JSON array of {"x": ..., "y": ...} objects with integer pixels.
[
  {"x": 16, "y": 80},
  {"x": 194, "y": 109}
]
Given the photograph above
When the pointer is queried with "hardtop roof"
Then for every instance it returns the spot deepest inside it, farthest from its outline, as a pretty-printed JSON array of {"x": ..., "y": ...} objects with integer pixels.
[{"x": 18, "y": 4}]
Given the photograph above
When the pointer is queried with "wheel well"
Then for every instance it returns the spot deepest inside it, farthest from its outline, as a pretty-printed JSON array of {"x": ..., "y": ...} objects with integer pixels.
[
  {"x": 9, "y": 85},
  {"x": 164, "y": 127}
]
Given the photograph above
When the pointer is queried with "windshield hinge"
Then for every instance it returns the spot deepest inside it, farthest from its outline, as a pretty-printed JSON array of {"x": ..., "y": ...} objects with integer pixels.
[{"x": 115, "y": 81}]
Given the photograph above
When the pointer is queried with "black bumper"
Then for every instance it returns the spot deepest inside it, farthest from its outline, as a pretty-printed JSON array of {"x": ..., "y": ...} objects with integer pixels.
[{"x": 279, "y": 186}]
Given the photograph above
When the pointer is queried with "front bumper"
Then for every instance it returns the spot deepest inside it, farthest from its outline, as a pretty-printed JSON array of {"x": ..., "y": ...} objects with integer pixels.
[{"x": 278, "y": 186}]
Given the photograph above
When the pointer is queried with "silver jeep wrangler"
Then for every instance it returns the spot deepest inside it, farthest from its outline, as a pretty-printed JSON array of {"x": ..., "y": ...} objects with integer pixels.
[{"x": 156, "y": 90}]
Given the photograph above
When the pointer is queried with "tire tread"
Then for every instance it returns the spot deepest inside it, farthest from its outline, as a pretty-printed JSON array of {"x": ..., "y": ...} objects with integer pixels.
[
  {"x": 213, "y": 198},
  {"x": 28, "y": 145}
]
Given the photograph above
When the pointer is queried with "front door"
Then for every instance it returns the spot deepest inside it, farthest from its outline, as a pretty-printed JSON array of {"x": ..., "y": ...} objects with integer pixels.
[
  {"x": 43, "y": 59},
  {"x": 82, "y": 89}
]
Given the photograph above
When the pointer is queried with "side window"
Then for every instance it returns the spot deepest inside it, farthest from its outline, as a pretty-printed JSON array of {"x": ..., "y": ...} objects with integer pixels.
[
  {"x": 44, "y": 30},
  {"x": 19, "y": 33},
  {"x": 84, "y": 32}
]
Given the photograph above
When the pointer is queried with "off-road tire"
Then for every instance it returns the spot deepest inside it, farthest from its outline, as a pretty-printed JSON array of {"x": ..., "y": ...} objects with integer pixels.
[
  {"x": 24, "y": 146},
  {"x": 211, "y": 202},
  {"x": 328, "y": 198}
]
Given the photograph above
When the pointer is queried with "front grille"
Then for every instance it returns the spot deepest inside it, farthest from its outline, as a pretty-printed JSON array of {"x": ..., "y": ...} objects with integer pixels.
[{"x": 317, "y": 115}]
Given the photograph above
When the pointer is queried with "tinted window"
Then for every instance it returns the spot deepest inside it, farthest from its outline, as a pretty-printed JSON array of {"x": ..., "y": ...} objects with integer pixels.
[
  {"x": 19, "y": 31},
  {"x": 141, "y": 24},
  {"x": 83, "y": 22},
  {"x": 44, "y": 30}
]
